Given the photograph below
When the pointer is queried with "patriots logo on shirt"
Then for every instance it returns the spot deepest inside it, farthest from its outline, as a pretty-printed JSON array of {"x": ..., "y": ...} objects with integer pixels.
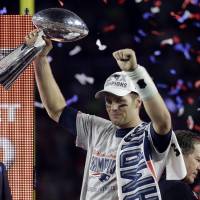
[{"x": 102, "y": 167}]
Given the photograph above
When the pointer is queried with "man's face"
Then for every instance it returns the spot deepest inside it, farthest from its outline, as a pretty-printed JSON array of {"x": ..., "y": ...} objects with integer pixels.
[
  {"x": 122, "y": 110},
  {"x": 192, "y": 162}
]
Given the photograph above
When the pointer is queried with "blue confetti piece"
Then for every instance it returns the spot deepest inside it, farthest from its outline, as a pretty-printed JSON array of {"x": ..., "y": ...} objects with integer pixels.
[
  {"x": 157, "y": 53},
  {"x": 59, "y": 44},
  {"x": 196, "y": 24},
  {"x": 189, "y": 84},
  {"x": 3, "y": 11},
  {"x": 179, "y": 102},
  {"x": 137, "y": 39},
  {"x": 174, "y": 91},
  {"x": 195, "y": 2},
  {"x": 152, "y": 59},
  {"x": 162, "y": 85},
  {"x": 172, "y": 71},
  {"x": 184, "y": 17},
  {"x": 142, "y": 33},
  {"x": 171, "y": 105},
  {"x": 72, "y": 100},
  {"x": 184, "y": 49},
  {"x": 147, "y": 15}
]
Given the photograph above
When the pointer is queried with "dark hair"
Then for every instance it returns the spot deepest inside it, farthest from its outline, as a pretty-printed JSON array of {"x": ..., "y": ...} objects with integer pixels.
[{"x": 187, "y": 139}]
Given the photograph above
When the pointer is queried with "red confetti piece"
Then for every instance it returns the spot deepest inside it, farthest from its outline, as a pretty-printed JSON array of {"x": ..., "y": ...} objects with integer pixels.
[
  {"x": 197, "y": 84},
  {"x": 105, "y": 1},
  {"x": 195, "y": 16},
  {"x": 109, "y": 28},
  {"x": 176, "y": 39},
  {"x": 61, "y": 3},
  {"x": 185, "y": 4},
  {"x": 190, "y": 100},
  {"x": 183, "y": 26},
  {"x": 197, "y": 127},
  {"x": 120, "y": 2},
  {"x": 198, "y": 59},
  {"x": 173, "y": 14},
  {"x": 157, "y": 3},
  {"x": 157, "y": 33}
]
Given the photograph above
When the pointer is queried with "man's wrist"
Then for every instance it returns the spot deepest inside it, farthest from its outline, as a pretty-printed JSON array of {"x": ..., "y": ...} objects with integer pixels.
[{"x": 143, "y": 82}]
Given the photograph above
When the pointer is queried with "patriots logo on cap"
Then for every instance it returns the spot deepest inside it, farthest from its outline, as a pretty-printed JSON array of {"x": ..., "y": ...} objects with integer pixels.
[
  {"x": 116, "y": 76},
  {"x": 117, "y": 80}
]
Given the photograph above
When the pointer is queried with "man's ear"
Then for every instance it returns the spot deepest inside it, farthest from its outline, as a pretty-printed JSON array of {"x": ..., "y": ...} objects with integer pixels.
[{"x": 138, "y": 102}]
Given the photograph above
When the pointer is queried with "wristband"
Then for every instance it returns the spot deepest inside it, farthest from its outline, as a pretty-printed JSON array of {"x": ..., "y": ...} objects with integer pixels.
[{"x": 143, "y": 83}]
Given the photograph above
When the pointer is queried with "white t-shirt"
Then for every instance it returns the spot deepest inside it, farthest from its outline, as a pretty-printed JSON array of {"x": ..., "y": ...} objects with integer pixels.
[{"x": 98, "y": 137}]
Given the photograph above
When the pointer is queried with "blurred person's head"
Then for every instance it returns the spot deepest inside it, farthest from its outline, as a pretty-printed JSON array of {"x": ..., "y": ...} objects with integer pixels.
[{"x": 190, "y": 146}]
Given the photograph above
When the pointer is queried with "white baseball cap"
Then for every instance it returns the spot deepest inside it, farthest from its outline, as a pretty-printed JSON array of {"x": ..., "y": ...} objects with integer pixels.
[{"x": 118, "y": 84}]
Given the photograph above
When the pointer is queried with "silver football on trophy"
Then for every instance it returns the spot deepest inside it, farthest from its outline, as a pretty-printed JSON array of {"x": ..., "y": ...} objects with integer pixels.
[
  {"x": 60, "y": 24},
  {"x": 56, "y": 23}
]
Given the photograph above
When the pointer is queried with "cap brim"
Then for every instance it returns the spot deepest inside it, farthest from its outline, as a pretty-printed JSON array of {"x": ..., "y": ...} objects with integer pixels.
[{"x": 114, "y": 91}]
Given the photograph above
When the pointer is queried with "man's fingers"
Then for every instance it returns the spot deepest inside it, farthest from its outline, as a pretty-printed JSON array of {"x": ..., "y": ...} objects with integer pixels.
[
  {"x": 117, "y": 55},
  {"x": 123, "y": 54}
]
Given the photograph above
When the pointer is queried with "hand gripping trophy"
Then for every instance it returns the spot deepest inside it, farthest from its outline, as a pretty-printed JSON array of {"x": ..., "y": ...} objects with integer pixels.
[{"x": 56, "y": 23}]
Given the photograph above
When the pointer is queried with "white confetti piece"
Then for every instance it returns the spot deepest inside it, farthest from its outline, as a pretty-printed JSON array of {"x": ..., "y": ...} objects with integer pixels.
[
  {"x": 75, "y": 50},
  {"x": 167, "y": 41},
  {"x": 83, "y": 79},
  {"x": 155, "y": 10},
  {"x": 100, "y": 45}
]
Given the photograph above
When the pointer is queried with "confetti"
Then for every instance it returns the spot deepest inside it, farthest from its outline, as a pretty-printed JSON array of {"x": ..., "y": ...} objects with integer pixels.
[
  {"x": 38, "y": 105},
  {"x": 120, "y": 2},
  {"x": 138, "y": 1},
  {"x": 155, "y": 10},
  {"x": 3, "y": 11},
  {"x": 109, "y": 28},
  {"x": 180, "y": 111},
  {"x": 147, "y": 15},
  {"x": 197, "y": 84},
  {"x": 185, "y": 49},
  {"x": 61, "y": 3},
  {"x": 171, "y": 105},
  {"x": 172, "y": 71},
  {"x": 75, "y": 50},
  {"x": 184, "y": 17},
  {"x": 50, "y": 59},
  {"x": 190, "y": 122},
  {"x": 83, "y": 79},
  {"x": 168, "y": 41},
  {"x": 59, "y": 44},
  {"x": 72, "y": 100},
  {"x": 142, "y": 33},
  {"x": 137, "y": 39},
  {"x": 101, "y": 47}
]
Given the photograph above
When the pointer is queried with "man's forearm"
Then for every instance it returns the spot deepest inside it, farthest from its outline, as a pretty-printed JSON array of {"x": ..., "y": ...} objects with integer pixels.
[{"x": 50, "y": 93}]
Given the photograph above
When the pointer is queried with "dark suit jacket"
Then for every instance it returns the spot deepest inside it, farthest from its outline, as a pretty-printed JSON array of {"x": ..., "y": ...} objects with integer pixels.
[
  {"x": 5, "y": 193},
  {"x": 176, "y": 190}
]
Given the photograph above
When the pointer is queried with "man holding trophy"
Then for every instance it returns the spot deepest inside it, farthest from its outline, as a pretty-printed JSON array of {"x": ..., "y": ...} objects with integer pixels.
[{"x": 125, "y": 156}]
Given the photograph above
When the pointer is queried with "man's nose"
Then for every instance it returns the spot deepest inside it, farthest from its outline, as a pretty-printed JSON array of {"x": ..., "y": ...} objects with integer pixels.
[{"x": 114, "y": 106}]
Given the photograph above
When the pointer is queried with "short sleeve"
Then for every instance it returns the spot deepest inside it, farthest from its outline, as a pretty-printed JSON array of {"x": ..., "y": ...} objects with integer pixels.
[{"x": 89, "y": 129}]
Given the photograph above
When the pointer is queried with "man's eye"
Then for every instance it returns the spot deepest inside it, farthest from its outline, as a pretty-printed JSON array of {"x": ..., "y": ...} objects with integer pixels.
[
  {"x": 122, "y": 105},
  {"x": 108, "y": 103}
]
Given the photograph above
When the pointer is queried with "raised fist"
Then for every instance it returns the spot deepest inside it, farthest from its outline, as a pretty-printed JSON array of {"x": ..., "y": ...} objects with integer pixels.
[{"x": 126, "y": 59}]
